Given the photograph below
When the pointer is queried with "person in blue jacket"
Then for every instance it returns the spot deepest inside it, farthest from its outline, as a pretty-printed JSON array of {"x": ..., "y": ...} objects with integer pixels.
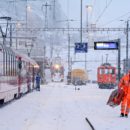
[{"x": 38, "y": 81}]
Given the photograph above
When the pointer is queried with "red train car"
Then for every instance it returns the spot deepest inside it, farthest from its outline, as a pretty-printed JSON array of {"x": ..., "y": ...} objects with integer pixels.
[{"x": 106, "y": 76}]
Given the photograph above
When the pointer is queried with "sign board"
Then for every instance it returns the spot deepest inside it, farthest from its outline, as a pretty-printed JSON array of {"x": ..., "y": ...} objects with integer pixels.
[
  {"x": 105, "y": 45},
  {"x": 81, "y": 47}
]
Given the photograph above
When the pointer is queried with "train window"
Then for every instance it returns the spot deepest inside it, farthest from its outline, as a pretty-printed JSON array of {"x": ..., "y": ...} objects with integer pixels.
[
  {"x": 113, "y": 71},
  {"x": 101, "y": 71},
  {"x": 9, "y": 65},
  {"x": 15, "y": 66},
  {"x": 6, "y": 63},
  {"x": 106, "y": 71},
  {"x": 12, "y": 68},
  {"x": 110, "y": 71},
  {"x": 1, "y": 63},
  {"x": 12, "y": 65}
]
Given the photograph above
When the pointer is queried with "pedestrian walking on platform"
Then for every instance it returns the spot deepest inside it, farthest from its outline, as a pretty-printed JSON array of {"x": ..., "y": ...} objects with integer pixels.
[
  {"x": 124, "y": 84},
  {"x": 38, "y": 81}
]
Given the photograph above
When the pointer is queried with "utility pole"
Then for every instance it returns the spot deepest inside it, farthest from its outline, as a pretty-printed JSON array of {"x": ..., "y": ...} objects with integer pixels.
[
  {"x": 44, "y": 79},
  {"x": 52, "y": 36},
  {"x": 46, "y": 5},
  {"x": 81, "y": 28},
  {"x": 88, "y": 8},
  {"x": 11, "y": 35},
  {"x": 16, "y": 23},
  {"x": 51, "y": 46},
  {"x": 102, "y": 59},
  {"x": 69, "y": 65},
  {"x": 106, "y": 58},
  {"x": 54, "y": 11},
  {"x": 81, "y": 21},
  {"x": 26, "y": 13},
  {"x": 69, "y": 59},
  {"x": 127, "y": 46},
  {"x": 119, "y": 59},
  {"x": 68, "y": 28}
]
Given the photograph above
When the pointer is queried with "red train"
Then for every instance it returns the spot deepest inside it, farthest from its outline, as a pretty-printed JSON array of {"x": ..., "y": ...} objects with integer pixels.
[
  {"x": 106, "y": 76},
  {"x": 57, "y": 70},
  {"x": 57, "y": 73},
  {"x": 17, "y": 73}
]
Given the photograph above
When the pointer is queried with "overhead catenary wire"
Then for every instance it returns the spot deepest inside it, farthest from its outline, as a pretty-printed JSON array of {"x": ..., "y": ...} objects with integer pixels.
[
  {"x": 118, "y": 18},
  {"x": 99, "y": 17}
]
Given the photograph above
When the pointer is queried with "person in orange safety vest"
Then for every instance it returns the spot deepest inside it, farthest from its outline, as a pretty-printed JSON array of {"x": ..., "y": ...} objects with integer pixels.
[{"x": 125, "y": 85}]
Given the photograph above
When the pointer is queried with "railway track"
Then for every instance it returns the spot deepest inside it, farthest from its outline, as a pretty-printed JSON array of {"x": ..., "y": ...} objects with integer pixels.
[
  {"x": 90, "y": 124},
  {"x": 2, "y": 105}
]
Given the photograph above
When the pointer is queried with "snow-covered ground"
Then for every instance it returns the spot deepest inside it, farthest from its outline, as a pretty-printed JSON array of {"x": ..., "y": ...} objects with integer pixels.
[{"x": 59, "y": 107}]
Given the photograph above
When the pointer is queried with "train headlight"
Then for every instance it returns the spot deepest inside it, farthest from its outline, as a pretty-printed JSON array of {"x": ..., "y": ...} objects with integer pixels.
[
  {"x": 36, "y": 66},
  {"x": 57, "y": 66}
]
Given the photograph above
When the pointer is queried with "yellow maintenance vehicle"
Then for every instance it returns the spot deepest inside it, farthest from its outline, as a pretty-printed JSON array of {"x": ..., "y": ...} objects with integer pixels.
[{"x": 79, "y": 77}]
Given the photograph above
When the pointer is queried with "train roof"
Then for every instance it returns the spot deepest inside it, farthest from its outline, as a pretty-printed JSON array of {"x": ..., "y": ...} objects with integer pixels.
[
  {"x": 24, "y": 57},
  {"x": 106, "y": 64},
  {"x": 15, "y": 53},
  {"x": 106, "y": 67}
]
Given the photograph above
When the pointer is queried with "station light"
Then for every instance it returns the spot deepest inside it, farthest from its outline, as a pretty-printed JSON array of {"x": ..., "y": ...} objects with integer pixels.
[{"x": 57, "y": 66}]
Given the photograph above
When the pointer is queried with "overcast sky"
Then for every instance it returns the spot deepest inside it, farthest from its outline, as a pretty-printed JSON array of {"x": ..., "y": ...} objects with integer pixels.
[{"x": 103, "y": 11}]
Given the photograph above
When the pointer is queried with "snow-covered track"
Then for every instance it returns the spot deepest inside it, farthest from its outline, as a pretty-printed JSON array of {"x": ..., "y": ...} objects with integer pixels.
[{"x": 90, "y": 124}]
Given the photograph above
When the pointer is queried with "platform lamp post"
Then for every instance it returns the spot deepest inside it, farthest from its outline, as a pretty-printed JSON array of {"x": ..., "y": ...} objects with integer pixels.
[
  {"x": 28, "y": 9},
  {"x": 18, "y": 25},
  {"x": 88, "y": 9},
  {"x": 106, "y": 58},
  {"x": 127, "y": 46},
  {"x": 68, "y": 26},
  {"x": 28, "y": 45},
  {"x": 69, "y": 59},
  {"x": 81, "y": 20}
]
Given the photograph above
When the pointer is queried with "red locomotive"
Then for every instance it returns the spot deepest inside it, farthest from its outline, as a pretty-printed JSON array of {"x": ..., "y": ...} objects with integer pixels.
[{"x": 106, "y": 76}]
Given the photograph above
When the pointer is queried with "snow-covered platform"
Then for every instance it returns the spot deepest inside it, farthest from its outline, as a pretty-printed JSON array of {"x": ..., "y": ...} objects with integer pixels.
[{"x": 60, "y": 107}]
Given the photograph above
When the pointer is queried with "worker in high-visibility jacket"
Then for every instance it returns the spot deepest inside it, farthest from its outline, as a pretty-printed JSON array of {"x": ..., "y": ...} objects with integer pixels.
[{"x": 125, "y": 85}]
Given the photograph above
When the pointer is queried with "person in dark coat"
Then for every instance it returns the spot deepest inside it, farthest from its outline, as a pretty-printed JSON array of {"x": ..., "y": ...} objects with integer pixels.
[{"x": 38, "y": 81}]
